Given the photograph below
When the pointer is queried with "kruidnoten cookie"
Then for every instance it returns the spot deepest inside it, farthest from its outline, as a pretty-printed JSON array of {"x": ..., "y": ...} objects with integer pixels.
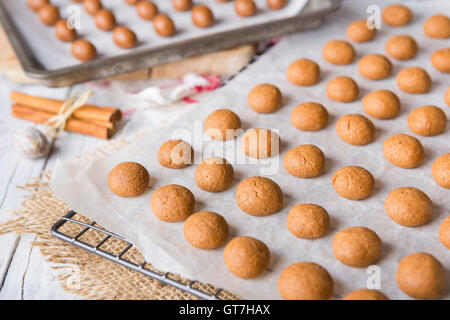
[
  {"x": 414, "y": 80},
  {"x": 338, "y": 52},
  {"x": 309, "y": 116},
  {"x": 396, "y": 15},
  {"x": 358, "y": 31},
  {"x": 375, "y": 67},
  {"x": 261, "y": 143},
  {"x": 172, "y": 203},
  {"x": 175, "y": 154},
  {"x": 214, "y": 175},
  {"x": 355, "y": 129},
  {"x": 265, "y": 98},
  {"x": 404, "y": 151},
  {"x": 441, "y": 170},
  {"x": 444, "y": 232},
  {"x": 342, "y": 89},
  {"x": 353, "y": 183},
  {"x": 206, "y": 230},
  {"x": 303, "y": 72},
  {"x": 427, "y": 121},
  {"x": 402, "y": 47},
  {"x": 222, "y": 124},
  {"x": 441, "y": 60},
  {"x": 437, "y": 26},
  {"x": 304, "y": 161},
  {"x": 128, "y": 179},
  {"x": 308, "y": 221},
  {"x": 365, "y": 294},
  {"x": 381, "y": 104}
]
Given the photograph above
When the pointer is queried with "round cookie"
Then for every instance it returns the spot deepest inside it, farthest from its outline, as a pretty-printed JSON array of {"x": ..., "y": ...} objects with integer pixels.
[
  {"x": 105, "y": 20},
  {"x": 444, "y": 232},
  {"x": 163, "y": 25},
  {"x": 304, "y": 161},
  {"x": 206, "y": 230},
  {"x": 421, "y": 276},
  {"x": 355, "y": 129},
  {"x": 308, "y": 221},
  {"x": 35, "y": 5},
  {"x": 437, "y": 26},
  {"x": 303, "y": 72},
  {"x": 130, "y": 2},
  {"x": 441, "y": 170},
  {"x": 172, "y": 203},
  {"x": 128, "y": 179},
  {"x": 342, "y": 89},
  {"x": 338, "y": 52},
  {"x": 396, "y": 15},
  {"x": 309, "y": 116},
  {"x": 403, "y": 151},
  {"x": 408, "y": 206},
  {"x": 92, "y": 6},
  {"x": 305, "y": 281},
  {"x": 357, "y": 247},
  {"x": 245, "y": 8},
  {"x": 414, "y": 80},
  {"x": 375, "y": 67},
  {"x": 175, "y": 154},
  {"x": 365, "y": 294},
  {"x": 214, "y": 175},
  {"x": 147, "y": 10},
  {"x": 381, "y": 104},
  {"x": 441, "y": 60},
  {"x": 276, "y": 4},
  {"x": 427, "y": 121},
  {"x": 359, "y": 32},
  {"x": 83, "y": 50},
  {"x": 48, "y": 14},
  {"x": 259, "y": 196},
  {"x": 202, "y": 16},
  {"x": 260, "y": 143},
  {"x": 246, "y": 257},
  {"x": 124, "y": 38},
  {"x": 264, "y": 98},
  {"x": 402, "y": 47},
  {"x": 447, "y": 96},
  {"x": 63, "y": 32},
  {"x": 222, "y": 124},
  {"x": 354, "y": 183},
  {"x": 181, "y": 5}
]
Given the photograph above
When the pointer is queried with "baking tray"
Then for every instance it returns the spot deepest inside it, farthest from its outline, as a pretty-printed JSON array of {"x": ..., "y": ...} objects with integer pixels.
[{"x": 311, "y": 16}]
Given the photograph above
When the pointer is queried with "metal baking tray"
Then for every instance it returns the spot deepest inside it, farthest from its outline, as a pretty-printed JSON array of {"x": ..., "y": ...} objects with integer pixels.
[{"x": 311, "y": 16}]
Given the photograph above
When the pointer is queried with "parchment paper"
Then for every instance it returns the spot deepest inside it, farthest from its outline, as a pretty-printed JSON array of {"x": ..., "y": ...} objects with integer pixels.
[
  {"x": 54, "y": 54},
  {"x": 85, "y": 189}
]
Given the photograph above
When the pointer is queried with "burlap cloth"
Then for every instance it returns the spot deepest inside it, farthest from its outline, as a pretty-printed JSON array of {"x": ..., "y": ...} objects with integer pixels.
[{"x": 79, "y": 271}]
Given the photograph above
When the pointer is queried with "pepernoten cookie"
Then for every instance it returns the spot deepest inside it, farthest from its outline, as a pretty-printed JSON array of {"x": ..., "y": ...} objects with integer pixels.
[
  {"x": 261, "y": 143},
  {"x": 206, "y": 230},
  {"x": 414, "y": 80},
  {"x": 357, "y": 247},
  {"x": 264, "y": 98},
  {"x": 175, "y": 154},
  {"x": 259, "y": 196},
  {"x": 355, "y": 129},
  {"x": 246, "y": 257},
  {"x": 375, "y": 67},
  {"x": 303, "y": 72},
  {"x": 309, "y": 116},
  {"x": 305, "y": 281},
  {"x": 365, "y": 294},
  {"x": 441, "y": 60},
  {"x": 304, "y": 161},
  {"x": 409, "y": 206},
  {"x": 427, "y": 121},
  {"x": 444, "y": 232},
  {"x": 441, "y": 170},
  {"x": 437, "y": 26},
  {"x": 214, "y": 175},
  {"x": 222, "y": 124},
  {"x": 128, "y": 179},
  {"x": 447, "y": 96},
  {"x": 342, "y": 89},
  {"x": 338, "y": 52},
  {"x": 358, "y": 31},
  {"x": 421, "y": 276},
  {"x": 402, "y": 47},
  {"x": 403, "y": 151},
  {"x": 353, "y": 183},
  {"x": 308, "y": 221},
  {"x": 381, "y": 104},
  {"x": 172, "y": 203},
  {"x": 396, "y": 15}
]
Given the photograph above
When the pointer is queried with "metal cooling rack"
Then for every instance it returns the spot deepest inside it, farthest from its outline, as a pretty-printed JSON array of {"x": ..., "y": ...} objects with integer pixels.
[{"x": 119, "y": 258}]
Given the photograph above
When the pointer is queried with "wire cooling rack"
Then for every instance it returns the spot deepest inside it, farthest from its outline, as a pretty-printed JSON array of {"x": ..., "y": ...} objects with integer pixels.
[{"x": 120, "y": 257}]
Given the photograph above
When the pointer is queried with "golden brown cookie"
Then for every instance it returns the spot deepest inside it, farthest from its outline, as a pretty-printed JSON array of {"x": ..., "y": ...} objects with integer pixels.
[
  {"x": 182, "y": 5},
  {"x": 147, "y": 10},
  {"x": 35, "y": 5},
  {"x": 124, "y": 37},
  {"x": 357, "y": 247},
  {"x": 172, "y": 203},
  {"x": 427, "y": 121},
  {"x": 49, "y": 14},
  {"x": 447, "y": 96},
  {"x": 128, "y": 179},
  {"x": 308, "y": 221},
  {"x": 375, "y": 67},
  {"x": 202, "y": 16},
  {"x": 342, "y": 89},
  {"x": 441, "y": 170},
  {"x": 264, "y": 98},
  {"x": 214, "y": 175},
  {"x": 259, "y": 196},
  {"x": 246, "y": 257},
  {"x": 437, "y": 26},
  {"x": 222, "y": 124},
  {"x": 444, "y": 232},
  {"x": 206, "y": 230},
  {"x": 403, "y": 151},
  {"x": 352, "y": 182},
  {"x": 441, "y": 60},
  {"x": 63, "y": 32},
  {"x": 245, "y": 8},
  {"x": 414, "y": 80},
  {"x": 304, "y": 161},
  {"x": 402, "y": 47},
  {"x": 365, "y": 294},
  {"x": 105, "y": 20},
  {"x": 276, "y": 4},
  {"x": 421, "y": 276},
  {"x": 83, "y": 50},
  {"x": 309, "y": 116},
  {"x": 305, "y": 281},
  {"x": 303, "y": 72},
  {"x": 396, "y": 15},
  {"x": 359, "y": 32},
  {"x": 409, "y": 206},
  {"x": 175, "y": 154},
  {"x": 92, "y": 6},
  {"x": 164, "y": 25},
  {"x": 355, "y": 129},
  {"x": 381, "y": 104},
  {"x": 338, "y": 52},
  {"x": 260, "y": 143}
]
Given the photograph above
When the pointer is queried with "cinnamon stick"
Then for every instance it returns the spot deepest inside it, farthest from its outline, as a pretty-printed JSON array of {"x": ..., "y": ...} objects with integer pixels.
[
  {"x": 87, "y": 112},
  {"x": 73, "y": 125}
]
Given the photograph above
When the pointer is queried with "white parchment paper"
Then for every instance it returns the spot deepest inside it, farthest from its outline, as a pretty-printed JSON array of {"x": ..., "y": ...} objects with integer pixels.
[
  {"x": 85, "y": 189},
  {"x": 54, "y": 54}
]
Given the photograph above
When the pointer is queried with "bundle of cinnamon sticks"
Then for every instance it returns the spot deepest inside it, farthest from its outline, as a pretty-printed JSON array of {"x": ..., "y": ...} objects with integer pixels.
[{"x": 89, "y": 119}]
